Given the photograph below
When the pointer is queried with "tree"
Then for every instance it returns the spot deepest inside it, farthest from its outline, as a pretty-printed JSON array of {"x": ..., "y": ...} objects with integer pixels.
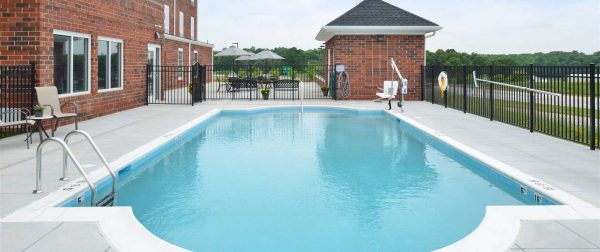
[{"x": 452, "y": 57}]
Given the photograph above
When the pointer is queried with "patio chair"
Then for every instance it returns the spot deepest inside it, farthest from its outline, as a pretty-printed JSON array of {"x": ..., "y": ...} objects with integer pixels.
[
  {"x": 287, "y": 85},
  {"x": 233, "y": 84},
  {"x": 390, "y": 89},
  {"x": 48, "y": 96},
  {"x": 27, "y": 123},
  {"x": 250, "y": 84}
]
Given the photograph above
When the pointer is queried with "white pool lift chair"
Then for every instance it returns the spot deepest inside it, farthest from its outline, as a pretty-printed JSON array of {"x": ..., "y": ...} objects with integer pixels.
[{"x": 390, "y": 89}]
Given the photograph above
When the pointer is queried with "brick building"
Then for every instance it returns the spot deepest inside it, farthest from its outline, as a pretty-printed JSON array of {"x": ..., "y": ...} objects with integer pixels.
[
  {"x": 96, "y": 52},
  {"x": 367, "y": 36}
]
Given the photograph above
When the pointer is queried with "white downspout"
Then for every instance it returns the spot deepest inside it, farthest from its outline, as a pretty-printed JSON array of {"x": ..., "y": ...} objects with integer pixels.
[{"x": 425, "y": 47}]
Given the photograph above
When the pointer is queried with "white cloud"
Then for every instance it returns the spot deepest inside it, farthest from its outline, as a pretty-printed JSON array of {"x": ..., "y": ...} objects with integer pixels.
[{"x": 485, "y": 26}]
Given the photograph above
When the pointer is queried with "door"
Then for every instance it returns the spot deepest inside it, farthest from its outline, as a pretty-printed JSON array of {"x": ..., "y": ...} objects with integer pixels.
[{"x": 153, "y": 73}]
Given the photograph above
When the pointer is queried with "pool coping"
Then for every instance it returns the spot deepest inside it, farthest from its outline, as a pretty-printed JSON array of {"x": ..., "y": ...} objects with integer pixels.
[{"x": 484, "y": 237}]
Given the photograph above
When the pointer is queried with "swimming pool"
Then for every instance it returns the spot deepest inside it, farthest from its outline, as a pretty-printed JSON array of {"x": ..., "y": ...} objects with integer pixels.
[{"x": 326, "y": 180}]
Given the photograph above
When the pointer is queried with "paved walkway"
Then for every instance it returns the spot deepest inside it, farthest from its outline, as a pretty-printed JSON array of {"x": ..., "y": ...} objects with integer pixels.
[{"x": 568, "y": 166}]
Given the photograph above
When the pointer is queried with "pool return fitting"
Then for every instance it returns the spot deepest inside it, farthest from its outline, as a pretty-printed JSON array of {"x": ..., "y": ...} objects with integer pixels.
[{"x": 108, "y": 200}]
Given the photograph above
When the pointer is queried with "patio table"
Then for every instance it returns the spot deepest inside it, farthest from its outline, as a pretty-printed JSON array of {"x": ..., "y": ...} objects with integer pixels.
[{"x": 39, "y": 125}]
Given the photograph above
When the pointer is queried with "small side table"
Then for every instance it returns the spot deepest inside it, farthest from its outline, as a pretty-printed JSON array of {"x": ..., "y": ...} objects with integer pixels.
[{"x": 39, "y": 125}]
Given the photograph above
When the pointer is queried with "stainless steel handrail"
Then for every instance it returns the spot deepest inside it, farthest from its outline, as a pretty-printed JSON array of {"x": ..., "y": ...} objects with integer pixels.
[
  {"x": 97, "y": 150},
  {"x": 66, "y": 151},
  {"x": 475, "y": 79}
]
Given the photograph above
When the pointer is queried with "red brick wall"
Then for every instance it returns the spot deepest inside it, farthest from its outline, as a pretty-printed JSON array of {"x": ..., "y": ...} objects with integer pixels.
[
  {"x": 170, "y": 49},
  {"x": 26, "y": 36},
  {"x": 367, "y": 61},
  {"x": 19, "y": 31}
]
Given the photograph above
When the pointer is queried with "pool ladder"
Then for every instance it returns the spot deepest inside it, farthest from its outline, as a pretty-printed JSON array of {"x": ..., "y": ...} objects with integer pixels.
[{"x": 107, "y": 200}]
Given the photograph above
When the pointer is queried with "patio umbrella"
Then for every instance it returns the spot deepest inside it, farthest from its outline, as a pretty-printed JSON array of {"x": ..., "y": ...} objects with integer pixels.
[
  {"x": 266, "y": 55},
  {"x": 233, "y": 51},
  {"x": 244, "y": 58}
]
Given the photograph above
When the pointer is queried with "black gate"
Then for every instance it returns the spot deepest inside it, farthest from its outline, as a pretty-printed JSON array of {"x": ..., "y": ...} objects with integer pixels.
[
  {"x": 16, "y": 92},
  {"x": 178, "y": 85}
]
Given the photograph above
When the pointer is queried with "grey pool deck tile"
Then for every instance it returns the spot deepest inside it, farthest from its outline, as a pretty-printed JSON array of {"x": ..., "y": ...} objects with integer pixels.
[
  {"x": 14, "y": 235},
  {"x": 566, "y": 165},
  {"x": 543, "y": 234},
  {"x": 588, "y": 230},
  {"x": 67, "y": 237}
]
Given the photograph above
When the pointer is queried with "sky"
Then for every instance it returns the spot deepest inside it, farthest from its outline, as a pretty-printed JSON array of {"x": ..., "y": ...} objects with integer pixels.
[{"x": 481, "y": 26}]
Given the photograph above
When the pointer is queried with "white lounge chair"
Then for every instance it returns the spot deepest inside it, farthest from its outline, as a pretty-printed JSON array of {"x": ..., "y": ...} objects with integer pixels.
[
  {"x": 27, "y": 123},
  {"x": 48, "y": 96},
  {"x": 389, "y": 91}
]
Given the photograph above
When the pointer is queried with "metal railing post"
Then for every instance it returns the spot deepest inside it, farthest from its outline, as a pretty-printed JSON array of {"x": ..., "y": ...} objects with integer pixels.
[
  {"x": 465, "y": 89},
  {"x": 422, "y": 82},
  {"x": 203, "y": 69},
  {"x": 531, "y": 101},
  {"x": 445, "y": 98},
  {"x": 193, "y": 82},
  {"x": 445, "y": 93},
  {"x": 491, "y": 94},
  {"x": 147, "y": 82},
  {"x": 432, "y": 85},
  {"x": 32, "y": 87},
  {"x": 592, "y": 100},
  {"x": 249, "y": 82}
]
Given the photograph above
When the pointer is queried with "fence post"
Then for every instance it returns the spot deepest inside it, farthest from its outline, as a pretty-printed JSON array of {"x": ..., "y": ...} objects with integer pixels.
[
  {"x": 432, "y": 88},
  {"x": 204, "y": 76},
  {"x": 248, "y": 81},
  {"x": 491, "y": 94},
  {"x": 422, "y": 82},
  {"x": 194, "y": 81},
  {"x": 147, "y": 82},
  {"x": 465, "y": 89},
  {"x": 32, "y": 87},
  {"x": 446, "y": 98},
  {"x": 592, "y": 106},
  {"x": 531, "y": 101}
]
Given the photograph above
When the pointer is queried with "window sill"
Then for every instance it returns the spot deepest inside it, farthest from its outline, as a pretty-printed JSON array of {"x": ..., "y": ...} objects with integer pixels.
[
  {"x": 110, "y": 90},
  {"x": 74, "y": 94}
]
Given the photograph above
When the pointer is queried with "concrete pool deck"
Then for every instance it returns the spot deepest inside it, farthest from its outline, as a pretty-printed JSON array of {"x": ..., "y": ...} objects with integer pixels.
[{"x": 568, "y": 166}]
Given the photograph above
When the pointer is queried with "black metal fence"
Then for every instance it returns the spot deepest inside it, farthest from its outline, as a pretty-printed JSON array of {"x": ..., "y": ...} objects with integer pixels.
[
  {"x": 568, "y": 109},
  {"x": 17, "y": 91},
  {"x": 282, "y": 82},
  {"x": 179, "y": 85}
]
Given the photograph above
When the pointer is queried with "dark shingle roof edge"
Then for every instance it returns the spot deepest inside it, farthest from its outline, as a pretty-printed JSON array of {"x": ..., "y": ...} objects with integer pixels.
[{"x": 379, "y": 13}]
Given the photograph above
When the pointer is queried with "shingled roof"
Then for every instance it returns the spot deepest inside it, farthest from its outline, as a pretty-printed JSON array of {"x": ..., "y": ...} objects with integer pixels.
[
  {"x": 379, "y": 13},
  {"x": 377, "y": 17}
]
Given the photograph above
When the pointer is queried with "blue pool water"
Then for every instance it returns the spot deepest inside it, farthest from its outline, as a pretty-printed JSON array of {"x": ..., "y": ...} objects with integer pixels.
[{"x": 323, "y": 181}]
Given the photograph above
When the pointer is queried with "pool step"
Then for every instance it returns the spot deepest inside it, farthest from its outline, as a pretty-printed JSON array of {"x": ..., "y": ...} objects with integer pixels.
[{"x": 108, "y": 200}]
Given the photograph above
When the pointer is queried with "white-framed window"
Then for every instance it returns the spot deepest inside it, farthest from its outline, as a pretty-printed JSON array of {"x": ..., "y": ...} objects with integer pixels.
[
  {"x": 195, "y": 56},
  {"x": 192, "y": 32},
  {"x": 181, "y": 24},
  {"x": 193, "y": 2},
  {"x": 72, "y": 62},
  {"x": 180, "y": 63},
  {"x": 167, "y": 21},
  {"x": 110, "y": 64}
]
